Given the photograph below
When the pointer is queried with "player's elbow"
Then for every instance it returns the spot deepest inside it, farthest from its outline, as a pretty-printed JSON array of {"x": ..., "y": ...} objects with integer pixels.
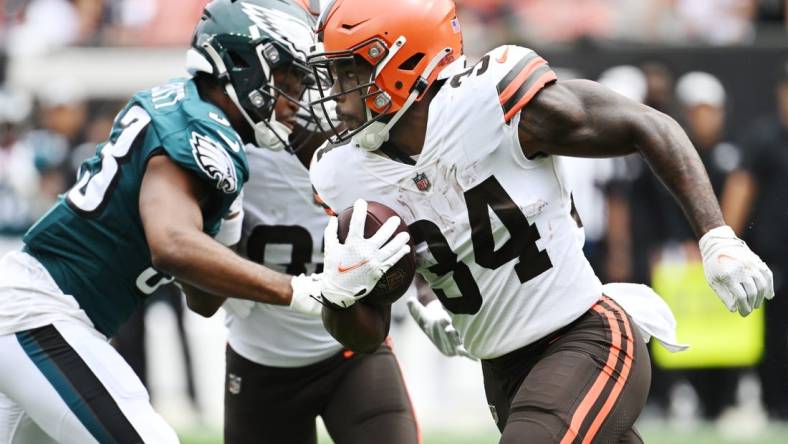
[
  {"x": 200, "y": 310},
  {"x": 169, "y": 253},
  {"x": 203, "y": 304},
  {"x": 653, "y": 129}
]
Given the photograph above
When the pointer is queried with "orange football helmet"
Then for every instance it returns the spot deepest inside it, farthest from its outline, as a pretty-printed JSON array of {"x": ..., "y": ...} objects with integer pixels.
[{"x": 409, "y": 44}]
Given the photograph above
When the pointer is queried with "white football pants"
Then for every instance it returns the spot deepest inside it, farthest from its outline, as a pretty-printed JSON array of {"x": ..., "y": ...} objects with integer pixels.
[{"x": 62, "y": 381}]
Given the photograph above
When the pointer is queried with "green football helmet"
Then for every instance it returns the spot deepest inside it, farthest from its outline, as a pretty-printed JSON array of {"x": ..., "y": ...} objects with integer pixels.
[{"x": 240, "y": 43}]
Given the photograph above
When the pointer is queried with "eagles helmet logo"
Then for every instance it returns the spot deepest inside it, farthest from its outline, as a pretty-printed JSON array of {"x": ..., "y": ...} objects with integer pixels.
[
  {"x": 214, "y": 161},
  {"x": 287, "y": 29}
]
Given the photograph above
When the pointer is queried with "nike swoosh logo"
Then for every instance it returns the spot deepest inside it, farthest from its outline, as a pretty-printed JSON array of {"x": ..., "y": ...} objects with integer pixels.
[
  {"x": 352, "y": 267},
  {"x": 505, "y": 56},
  {"x": 235, "y": 146}
]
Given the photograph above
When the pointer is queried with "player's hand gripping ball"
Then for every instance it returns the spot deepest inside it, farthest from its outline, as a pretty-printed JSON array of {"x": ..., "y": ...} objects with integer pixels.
[
  {"x": 360, "y": 253},
  {"x": 394, "y": 282}
]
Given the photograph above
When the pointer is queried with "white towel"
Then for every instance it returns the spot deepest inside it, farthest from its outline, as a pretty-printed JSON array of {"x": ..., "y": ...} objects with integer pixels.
[{"x": 650, "y": 313}]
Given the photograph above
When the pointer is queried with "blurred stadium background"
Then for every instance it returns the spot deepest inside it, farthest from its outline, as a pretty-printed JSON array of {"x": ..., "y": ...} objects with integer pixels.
[{"x": 67, "y": 66}]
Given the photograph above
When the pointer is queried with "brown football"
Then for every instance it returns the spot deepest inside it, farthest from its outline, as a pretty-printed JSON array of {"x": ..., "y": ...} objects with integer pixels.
[{"x": 397, "y": 279}]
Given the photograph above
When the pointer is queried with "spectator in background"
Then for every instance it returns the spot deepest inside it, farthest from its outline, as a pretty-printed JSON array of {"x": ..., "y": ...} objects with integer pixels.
[
  {"x": 718, "y": 22},
  {"x": 30, "y": 179},
  {"x": 659, "y": 87},
  {"x": 64, "y": 110},
  {"x": 50, "y": 154},
  {"x": 18, "y": 176},
  {"x": 564, "y": 20},
  {"x": 63, "y": 113},
  {"x": 45, "y": 25},
  {"x": 703, "y": 99},
  {"x": 773, "y": 12},
  {"x": 754, "y": 204},
  {"x": 96, "y": 130},
  {"x": 485, "y": 23},
  {"x": 154, "y": 22}
]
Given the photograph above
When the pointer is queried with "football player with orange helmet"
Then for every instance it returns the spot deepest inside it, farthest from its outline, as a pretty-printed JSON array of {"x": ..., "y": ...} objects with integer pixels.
[
  {"x": 283, "y": 369},
  {"x": 469, "y": 156}
]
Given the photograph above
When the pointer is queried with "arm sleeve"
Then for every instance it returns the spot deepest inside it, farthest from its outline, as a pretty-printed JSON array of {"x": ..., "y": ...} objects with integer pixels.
[{"x": 232, "y": 223}]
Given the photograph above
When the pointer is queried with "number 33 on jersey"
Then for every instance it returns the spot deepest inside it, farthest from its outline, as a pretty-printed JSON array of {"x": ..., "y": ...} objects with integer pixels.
[
  {"x": 495, "y": 232},
  {"x": 96, "y": 225}
]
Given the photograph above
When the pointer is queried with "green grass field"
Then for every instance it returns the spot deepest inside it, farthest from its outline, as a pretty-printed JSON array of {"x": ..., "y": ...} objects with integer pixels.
[{"x": 652, "y": 434}]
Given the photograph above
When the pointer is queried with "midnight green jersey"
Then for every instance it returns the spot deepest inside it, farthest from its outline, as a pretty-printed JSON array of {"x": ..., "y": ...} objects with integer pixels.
[{"x": 92, "y": 241}]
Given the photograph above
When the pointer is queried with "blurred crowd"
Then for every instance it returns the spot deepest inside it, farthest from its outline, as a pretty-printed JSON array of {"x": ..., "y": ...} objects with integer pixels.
[
  {"x": 43, "y": 140},
  {"x": 33, "y": 26},
  {"x": 631, "y": 222},
  {"x": 36, "y": 26},
  {"x": 540, "y": 22}
]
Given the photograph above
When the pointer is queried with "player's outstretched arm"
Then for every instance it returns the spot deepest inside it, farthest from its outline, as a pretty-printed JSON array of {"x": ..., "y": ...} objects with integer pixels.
[
  {"x": 582, "y": 118},
  {"x": 169, "y": 204}
]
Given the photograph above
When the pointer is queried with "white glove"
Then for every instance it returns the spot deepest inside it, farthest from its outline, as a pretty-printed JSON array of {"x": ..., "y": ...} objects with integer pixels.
[
  {"x": 738, "y": 276},
  {"x": 352, "y": 269},
  {"x": 306, "y": 295},
  {"x": 436, "y": 324}
]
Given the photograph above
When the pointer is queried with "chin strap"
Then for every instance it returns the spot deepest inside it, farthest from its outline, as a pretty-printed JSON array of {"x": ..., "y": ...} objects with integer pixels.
[
  {"x": 268, "y": 133},
  {"x": 377, "y": 133},
  {"x": 272, "y": 135}
]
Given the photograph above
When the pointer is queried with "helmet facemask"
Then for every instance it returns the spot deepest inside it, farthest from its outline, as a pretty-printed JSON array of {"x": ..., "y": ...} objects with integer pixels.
[
  {"x": 379, "y": 109},
  {"x": 375, "y": 103},
  {"x": 257, "y": 76}
]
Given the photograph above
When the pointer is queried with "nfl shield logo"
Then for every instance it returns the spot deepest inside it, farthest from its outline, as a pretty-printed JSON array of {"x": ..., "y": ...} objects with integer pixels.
[
  {"x": 421, "y": 181},
  {"x": 233, "y": 384}
]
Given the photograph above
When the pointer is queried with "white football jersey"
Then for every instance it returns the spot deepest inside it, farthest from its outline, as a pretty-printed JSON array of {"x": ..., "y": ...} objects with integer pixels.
[
  {"x": 283, "y": 229},
  {"x": 495, "y": 232}
]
